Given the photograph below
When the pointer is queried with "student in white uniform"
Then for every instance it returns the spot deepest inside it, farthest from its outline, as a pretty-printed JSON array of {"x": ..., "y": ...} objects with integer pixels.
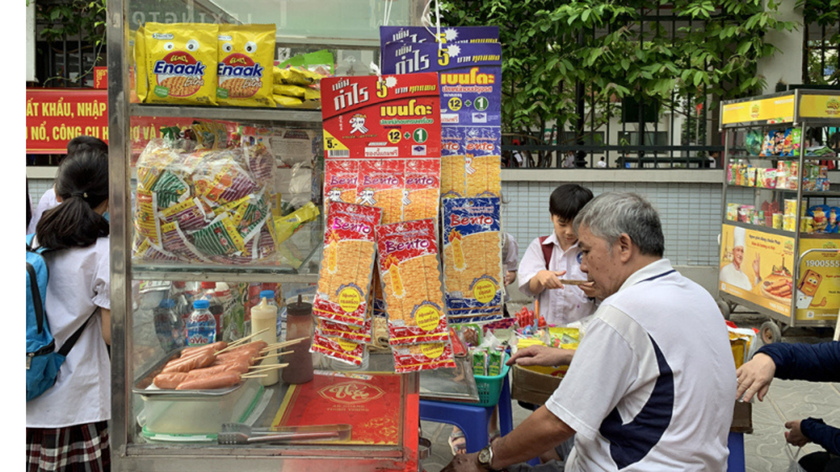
[
  {"x": 649, "y": 388},
  {"x": 67, "y": 426},
  {"x": 48, "y": 200},
  {"x": 550, "y": 258},
  {"x": 732, "y": 273}
]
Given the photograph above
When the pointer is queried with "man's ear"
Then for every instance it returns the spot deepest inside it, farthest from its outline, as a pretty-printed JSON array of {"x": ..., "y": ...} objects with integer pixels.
[{"x": 625, "y": 247}]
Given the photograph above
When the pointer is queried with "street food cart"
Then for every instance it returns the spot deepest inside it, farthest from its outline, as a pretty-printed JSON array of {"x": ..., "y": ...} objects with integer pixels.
[
  {"x": 779, "y": 241},
  {"x": 171, "y": 430}
]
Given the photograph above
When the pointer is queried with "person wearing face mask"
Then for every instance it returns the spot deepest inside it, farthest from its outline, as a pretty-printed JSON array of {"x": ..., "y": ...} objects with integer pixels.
[
  {"x": 647, "y": 388},
  {"x": 549, "y": 258}
]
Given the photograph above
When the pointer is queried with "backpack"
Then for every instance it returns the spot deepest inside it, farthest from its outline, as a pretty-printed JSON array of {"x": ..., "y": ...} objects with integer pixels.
[
  {"x": 42, "y": 360},
  {"x": 547, "y": 251}
]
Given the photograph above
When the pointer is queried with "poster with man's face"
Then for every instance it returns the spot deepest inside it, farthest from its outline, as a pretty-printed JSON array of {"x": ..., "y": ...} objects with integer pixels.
[{"x": 758, "y": 267}]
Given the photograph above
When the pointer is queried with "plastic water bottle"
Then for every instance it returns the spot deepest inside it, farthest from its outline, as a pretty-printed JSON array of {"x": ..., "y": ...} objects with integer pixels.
[
  {"x": 216, "y": 307},
  {"x": 201, "y": 325},
  {"x": 166, "y": 325},
  {"x": 183, "y": 308}
]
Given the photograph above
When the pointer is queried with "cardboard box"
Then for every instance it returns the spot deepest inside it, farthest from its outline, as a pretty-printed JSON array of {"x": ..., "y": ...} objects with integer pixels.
[{"x": 532, "y": 387}]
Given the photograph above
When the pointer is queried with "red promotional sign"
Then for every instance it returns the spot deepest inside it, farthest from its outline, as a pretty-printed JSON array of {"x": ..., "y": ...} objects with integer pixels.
[
  {"x": 55, "y": 116},
  {"x": 397, "y": 116}
]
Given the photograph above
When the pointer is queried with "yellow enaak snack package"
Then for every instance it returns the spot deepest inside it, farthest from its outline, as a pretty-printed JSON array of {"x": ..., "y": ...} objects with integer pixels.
[
  {"x": 246, "y": 61},
  {"x": 181, "y": 62}
]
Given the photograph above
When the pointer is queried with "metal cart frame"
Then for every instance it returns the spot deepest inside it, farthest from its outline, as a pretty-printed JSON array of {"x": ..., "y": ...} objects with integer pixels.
[
  {"x": 771, "y": 330},
  {"x": 129, "y": 455}
]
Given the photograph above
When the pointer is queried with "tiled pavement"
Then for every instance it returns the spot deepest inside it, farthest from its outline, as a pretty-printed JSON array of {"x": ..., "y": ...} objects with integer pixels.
[{"x": 765, "y": 448}]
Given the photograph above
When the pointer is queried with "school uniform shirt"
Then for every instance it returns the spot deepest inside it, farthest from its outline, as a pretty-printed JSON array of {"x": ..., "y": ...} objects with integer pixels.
[
  {"x": 559, "y": 306},
  {"x": 510, "y": 258},
  {"x": 79, "y": 284},
  {"x": 47, "y": 202},
  {"x": 650, "y": 387}
]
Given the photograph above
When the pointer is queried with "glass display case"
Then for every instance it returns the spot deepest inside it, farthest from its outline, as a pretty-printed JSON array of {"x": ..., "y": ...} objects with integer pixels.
[{"x": 168, "y": 430}]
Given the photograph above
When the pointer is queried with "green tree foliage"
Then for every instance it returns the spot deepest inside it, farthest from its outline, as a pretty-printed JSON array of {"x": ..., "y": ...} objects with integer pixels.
[{"x": 620, "y": 48}]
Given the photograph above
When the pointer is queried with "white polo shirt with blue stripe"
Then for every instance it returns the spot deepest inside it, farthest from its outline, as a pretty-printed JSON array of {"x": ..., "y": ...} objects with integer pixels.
[{"x": 652, "y": 384}]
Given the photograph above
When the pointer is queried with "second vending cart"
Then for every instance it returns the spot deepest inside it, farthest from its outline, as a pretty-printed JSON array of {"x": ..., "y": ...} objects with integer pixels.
[{"x": 779, "y": 242}]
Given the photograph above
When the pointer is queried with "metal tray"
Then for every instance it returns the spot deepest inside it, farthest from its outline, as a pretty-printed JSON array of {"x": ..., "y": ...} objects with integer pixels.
[{"x": 144, "y": 385}]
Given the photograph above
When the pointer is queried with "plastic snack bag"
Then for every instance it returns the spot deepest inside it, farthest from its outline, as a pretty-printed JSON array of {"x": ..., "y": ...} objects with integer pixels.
[
  {"x": 246, "y": 58},
  {"x": 408, "y": 269},
  {"x": 181, "y": 63},
  {"x": 347, "y": 265}
]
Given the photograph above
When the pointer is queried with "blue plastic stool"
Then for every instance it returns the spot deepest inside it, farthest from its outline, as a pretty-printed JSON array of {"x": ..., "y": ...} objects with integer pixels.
[
  {"x": 472, "y": 420},
  {"x": 736, "y": 462}
]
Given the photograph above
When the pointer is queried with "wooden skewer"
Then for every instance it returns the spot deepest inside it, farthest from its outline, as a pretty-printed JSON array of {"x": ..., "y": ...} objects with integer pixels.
[
  {"x": 268, "y": 356},
  {"x": 266, "y": 368},
  {"x": 252, "y": 376},
  {"x": 241, "y": 341},
  {"x": 272, "y": 347}
]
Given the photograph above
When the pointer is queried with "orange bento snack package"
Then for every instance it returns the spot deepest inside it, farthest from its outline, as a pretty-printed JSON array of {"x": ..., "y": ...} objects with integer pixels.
[
  {"x": 422, "y": 189},
  {"x": 347, "y": 265},
  {"x": 181, "y": 63},
  {"x": 411, "y": 282},
  {"x": 381, "y": 185},
  {"x": 246, "y": 60}
]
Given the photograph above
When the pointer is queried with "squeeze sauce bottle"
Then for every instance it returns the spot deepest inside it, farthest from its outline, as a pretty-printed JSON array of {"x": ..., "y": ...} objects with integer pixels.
[
  {"x": 299, "y": 324},
  {"x": 264, "y": 316}
]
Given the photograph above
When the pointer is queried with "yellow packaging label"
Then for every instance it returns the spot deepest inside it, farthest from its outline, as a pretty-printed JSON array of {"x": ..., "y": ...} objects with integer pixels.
[
  {"x": 246, "y": 60},
  {"x": 141, "y": 78},
  {"x": 289, "y": 90},
  {"x": 181, "y": 62},
  {"x": 285, "y": 101}
]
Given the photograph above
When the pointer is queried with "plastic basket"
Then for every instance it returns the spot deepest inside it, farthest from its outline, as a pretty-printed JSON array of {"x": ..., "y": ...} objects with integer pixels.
[{"x": 490, "y": 387}]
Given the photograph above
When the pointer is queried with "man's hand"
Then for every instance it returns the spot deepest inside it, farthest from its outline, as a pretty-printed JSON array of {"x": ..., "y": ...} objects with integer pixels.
[
  {"x": 541, "y": 355},
  {"x": 795, "y": 436},
  {"x": 464, "y": 463},
  {"x": 510, "y": 276},
  {"x": 755, "y": 376}
]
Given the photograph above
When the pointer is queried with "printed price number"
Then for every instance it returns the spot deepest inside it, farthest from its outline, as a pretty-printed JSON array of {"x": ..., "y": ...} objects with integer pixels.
[{"x": 394, "y": 136}]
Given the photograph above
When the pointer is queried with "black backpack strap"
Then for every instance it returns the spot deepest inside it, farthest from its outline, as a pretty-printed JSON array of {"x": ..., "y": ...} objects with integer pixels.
[{"x": 71, "y": 341}]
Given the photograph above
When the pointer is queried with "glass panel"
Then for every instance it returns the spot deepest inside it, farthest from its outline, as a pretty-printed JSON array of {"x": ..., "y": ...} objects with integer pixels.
[{"x": 296, "y": 20}]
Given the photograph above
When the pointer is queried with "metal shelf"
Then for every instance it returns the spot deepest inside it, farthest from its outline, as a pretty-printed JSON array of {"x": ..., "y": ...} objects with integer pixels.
[
  {"x": 826, "y": 194},
  {"x": 239, "y": 274},
  {"x": 305, "y": 118},
  {"x": 781, "y": 232}
]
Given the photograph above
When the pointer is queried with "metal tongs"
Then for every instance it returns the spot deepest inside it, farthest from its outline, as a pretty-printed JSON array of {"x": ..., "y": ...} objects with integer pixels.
[{"x": 239, "y": 433}]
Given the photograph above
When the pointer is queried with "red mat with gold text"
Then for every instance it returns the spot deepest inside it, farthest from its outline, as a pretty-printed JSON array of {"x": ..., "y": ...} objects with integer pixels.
[{"x": 370, "y": 403}]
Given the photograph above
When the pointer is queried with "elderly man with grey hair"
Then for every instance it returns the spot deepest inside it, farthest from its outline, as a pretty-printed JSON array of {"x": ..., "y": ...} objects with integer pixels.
[{"x": 650, "y": 384}]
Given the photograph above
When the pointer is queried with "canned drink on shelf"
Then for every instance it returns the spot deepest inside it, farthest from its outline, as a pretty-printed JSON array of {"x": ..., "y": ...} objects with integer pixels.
[
  {"x": 790, "y": 207},
  {"x": 777, "y": 220},
  {"x": 789, "y": 223}
]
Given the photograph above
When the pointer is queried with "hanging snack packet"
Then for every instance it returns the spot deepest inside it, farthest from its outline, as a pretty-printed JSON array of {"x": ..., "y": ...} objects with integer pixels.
[
  {"x": 408, "y": 269},
  {"x": 417, "y": 357},
  {"x": 339, "y": 349},
  {"x": 341, "y": 177},
  {"x": 246, "y": 59},
  {"x": 482, "y": 164},
  {"x": 422, "y": 189},
  {"x": 141, "y": 78},
  {"x": 472, "y": 258},
  {"x": 452, "y": 162},
  {"x": 347, "y": 263},
  {"x": 381, "y": 185},
  {"x": 356, "y": 334},
  {"x": 181, "y": 63}
]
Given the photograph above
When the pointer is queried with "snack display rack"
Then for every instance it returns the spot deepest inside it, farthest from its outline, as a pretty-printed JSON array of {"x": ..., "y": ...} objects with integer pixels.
[
  {"x": 129, "y": 449},
  {"x": 797, "y": 282}
]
